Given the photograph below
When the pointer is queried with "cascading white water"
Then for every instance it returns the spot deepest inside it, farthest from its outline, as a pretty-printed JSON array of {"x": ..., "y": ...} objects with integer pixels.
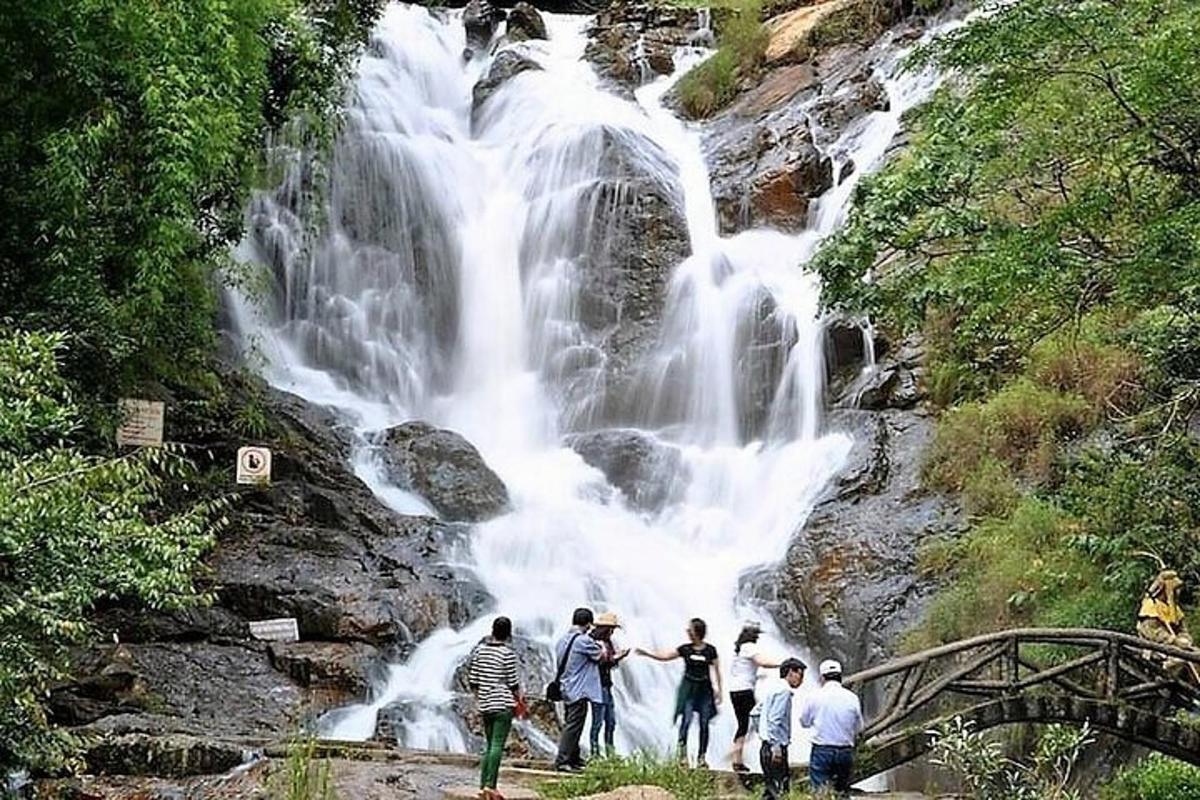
[{"x": 445, "y": 288}]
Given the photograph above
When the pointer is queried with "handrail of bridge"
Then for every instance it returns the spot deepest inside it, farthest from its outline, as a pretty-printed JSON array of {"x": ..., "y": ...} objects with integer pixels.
[{"x": 1073, "y": 636}]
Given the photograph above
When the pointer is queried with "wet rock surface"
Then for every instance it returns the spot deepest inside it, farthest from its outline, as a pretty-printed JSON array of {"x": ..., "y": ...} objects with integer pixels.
[
  {"x": 625, "y": 236},
  {"x": 631, "y": 43},
  {"x": 480, "y": 19},
  {"x": 771, "y": 153},
  {"x": 525, "y": 22},
  {"x": 506, "y": 65},
  {"x": 650, "y": 474},
  {"x": 364, "y": 583},
  {"x": 446, "y": 470},
  {"x": 849, "y": 585}
]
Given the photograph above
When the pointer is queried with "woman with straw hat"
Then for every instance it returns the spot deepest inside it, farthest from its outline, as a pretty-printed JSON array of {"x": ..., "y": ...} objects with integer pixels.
[{"x": 604, "y": 715}]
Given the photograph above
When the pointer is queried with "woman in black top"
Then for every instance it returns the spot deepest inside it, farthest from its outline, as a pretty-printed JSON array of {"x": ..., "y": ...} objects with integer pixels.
[{"x": 696, "y": 693}]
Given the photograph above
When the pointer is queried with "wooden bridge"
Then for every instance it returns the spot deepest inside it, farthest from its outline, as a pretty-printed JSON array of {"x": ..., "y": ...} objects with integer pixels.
[{"x": 1117, "y": 683}]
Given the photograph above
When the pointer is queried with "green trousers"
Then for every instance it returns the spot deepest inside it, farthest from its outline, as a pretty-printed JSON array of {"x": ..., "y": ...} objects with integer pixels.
[{"x": 495, "y": 734}]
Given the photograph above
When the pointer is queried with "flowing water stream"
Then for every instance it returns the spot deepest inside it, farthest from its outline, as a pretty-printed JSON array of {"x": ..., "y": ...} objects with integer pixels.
[{"x": 443, "y": 285}]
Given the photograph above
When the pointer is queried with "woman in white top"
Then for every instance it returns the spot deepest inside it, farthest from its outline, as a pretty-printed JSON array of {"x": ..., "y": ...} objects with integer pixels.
[{"x": 743, "y": 677}]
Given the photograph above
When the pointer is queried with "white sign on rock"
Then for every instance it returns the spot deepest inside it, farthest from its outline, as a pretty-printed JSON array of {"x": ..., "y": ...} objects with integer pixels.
[
  {"x": 141, "y": 423},
  {"x": 283, "y": 629},
  {"x": 253, "y": 465}
]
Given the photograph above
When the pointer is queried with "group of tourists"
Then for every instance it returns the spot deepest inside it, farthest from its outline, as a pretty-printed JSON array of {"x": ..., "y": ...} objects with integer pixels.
[{"x": 585, "y": 659}]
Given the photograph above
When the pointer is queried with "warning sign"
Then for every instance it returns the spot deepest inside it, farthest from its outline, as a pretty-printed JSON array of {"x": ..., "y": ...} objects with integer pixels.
[
  {"x": 254, "y": 465},
  {"x": 283, "y": 629},
  {"x": 141, "y": 423}
]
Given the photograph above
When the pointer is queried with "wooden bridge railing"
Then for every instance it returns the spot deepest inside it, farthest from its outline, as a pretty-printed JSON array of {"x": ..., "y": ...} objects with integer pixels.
[{"x": 1025, "y": 675}]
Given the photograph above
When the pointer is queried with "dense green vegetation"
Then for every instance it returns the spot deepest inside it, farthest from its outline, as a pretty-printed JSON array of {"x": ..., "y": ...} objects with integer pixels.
[
  {"x": 1155, "y": 778},
  {"x": 1042, "y": 234},
  {"x": 131, "y": 137},
  {"x": 74, "y": 529}
]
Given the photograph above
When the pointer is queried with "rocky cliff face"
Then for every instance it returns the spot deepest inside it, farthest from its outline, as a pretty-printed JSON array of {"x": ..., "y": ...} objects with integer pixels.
[{"x": 363, "y": 582}]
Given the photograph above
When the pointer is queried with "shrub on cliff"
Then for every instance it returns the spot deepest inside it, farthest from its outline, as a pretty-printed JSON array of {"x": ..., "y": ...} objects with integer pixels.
[
  {"x": 711, "y": 84},
  {"x": 74, "y": 529}
]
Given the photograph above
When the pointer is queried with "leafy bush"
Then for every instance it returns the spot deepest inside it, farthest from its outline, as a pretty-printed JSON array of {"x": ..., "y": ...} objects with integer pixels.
[
  {"x": 979, "y": 762},
  {"x": 74, "y": 529},
  {"x": 1156, "y": 777},
  {"x": 644, "y": 769},
  {"x": 711, "y": 84},
  {"x": 1018, "y": 427},
  {"x": 1006, "y": 571}
]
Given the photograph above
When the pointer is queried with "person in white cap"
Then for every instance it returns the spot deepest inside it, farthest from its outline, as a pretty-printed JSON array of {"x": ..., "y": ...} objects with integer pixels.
[{"x": 835, "y": 715}]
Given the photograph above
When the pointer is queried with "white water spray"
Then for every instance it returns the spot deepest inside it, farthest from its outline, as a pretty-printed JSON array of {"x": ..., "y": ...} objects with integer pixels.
[{"x": 446, "y": 289}]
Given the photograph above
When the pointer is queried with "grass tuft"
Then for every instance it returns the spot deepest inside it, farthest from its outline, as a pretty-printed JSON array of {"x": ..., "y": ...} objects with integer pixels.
[{"x": 710, "y": 85}]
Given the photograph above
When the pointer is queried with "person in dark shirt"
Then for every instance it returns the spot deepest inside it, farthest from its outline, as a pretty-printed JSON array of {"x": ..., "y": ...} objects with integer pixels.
[
  {"x": 696, "y": 695},
  {"x": 604, "y": 715}
]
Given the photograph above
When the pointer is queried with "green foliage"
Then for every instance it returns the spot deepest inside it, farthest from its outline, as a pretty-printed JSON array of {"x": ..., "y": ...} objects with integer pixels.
[
  {"x": 128, "y": 145},
  {"x": 303, "y": 776},
  {"x": 74, "y": 530},
  {"x": 1155, "y": 778},
  {"x": 978, "y": 762},
  {"x": 1013, "y": 434},
  {"x": 644, "y": 769},
  {"x": 1053, "y": 176},
  {"x": 710, "y": 85}
]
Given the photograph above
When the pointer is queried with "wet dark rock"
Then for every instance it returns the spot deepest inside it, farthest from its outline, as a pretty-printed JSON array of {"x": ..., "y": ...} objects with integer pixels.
[
  {"x": 525, "y": 22},
  {"x": 173, "y": 756},
  {"x": 316, "y": 544},
  {"x": 849, "y": 585},
  {"x": 896, "y": 380},
  {"x": 626, "y": 237},
  {"x": 446, "y": 470},
  {"x": 345, "y": 667},
  {"x": 197, "y": 688},
  {"x": 480, "y": 19},
  {"x": 764, "y": 340},
  {"x": 766, "y": 171},
  {"x": 649, "y": 473},
  {"x": 506, "y": 65},
  {"x": 631, "y": 42}
]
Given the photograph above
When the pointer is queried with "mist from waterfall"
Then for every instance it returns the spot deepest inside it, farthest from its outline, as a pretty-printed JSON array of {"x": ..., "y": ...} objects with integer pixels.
[{"x": 444, "y": 285}]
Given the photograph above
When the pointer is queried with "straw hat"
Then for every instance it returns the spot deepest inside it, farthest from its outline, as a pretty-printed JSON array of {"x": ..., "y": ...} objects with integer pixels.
[{"x": 607, "y": 620}]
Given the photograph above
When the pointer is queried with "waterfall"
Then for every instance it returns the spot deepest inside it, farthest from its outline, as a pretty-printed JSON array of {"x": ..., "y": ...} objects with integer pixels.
[{"x": 444, "y": 285}]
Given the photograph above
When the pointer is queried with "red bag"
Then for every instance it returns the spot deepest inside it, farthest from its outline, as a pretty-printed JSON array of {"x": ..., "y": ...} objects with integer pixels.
[{"x": 522, "y": 710}]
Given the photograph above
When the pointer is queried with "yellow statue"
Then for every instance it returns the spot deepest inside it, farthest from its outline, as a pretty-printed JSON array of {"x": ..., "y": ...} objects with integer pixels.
[{"x": 1161, "y": 620}]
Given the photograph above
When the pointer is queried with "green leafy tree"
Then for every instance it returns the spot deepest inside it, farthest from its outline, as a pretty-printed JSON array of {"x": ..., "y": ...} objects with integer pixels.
[
  {"x": 1057, "y": 171},
  {"x": 131, "y": 137},
  {"x": 74, "y": 529}
]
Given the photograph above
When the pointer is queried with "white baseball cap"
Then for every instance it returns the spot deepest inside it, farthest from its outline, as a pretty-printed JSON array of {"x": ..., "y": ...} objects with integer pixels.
[{"x": 830, "y": 667}]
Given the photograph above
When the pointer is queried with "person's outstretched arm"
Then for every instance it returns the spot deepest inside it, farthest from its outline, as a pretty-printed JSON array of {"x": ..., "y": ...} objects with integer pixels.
[
  {"x": 660, "y": 655},
  {"x": 765, "y": 663}
]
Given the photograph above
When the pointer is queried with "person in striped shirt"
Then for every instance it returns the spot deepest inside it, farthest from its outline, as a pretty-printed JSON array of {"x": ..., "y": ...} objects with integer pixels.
[{"x": 492, "y": 676}]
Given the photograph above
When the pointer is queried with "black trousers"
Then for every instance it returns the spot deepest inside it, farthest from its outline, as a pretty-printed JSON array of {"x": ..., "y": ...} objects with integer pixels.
[
  {"x": 568, "y": 740},
  {"x": 777, "y": 778}
]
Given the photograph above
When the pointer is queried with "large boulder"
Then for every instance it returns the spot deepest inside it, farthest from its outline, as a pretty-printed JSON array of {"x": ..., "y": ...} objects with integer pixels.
[
  {"x": 506, "y": 65},
  {"x": 767, "y": 172},
  {"x": 525, "y": 22},
  {"x": 649, "y": 473},
  {"x": 480, "y": 19},
  {"x": 849, "y": 584},
  {"x": 446, "y": 470}
]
